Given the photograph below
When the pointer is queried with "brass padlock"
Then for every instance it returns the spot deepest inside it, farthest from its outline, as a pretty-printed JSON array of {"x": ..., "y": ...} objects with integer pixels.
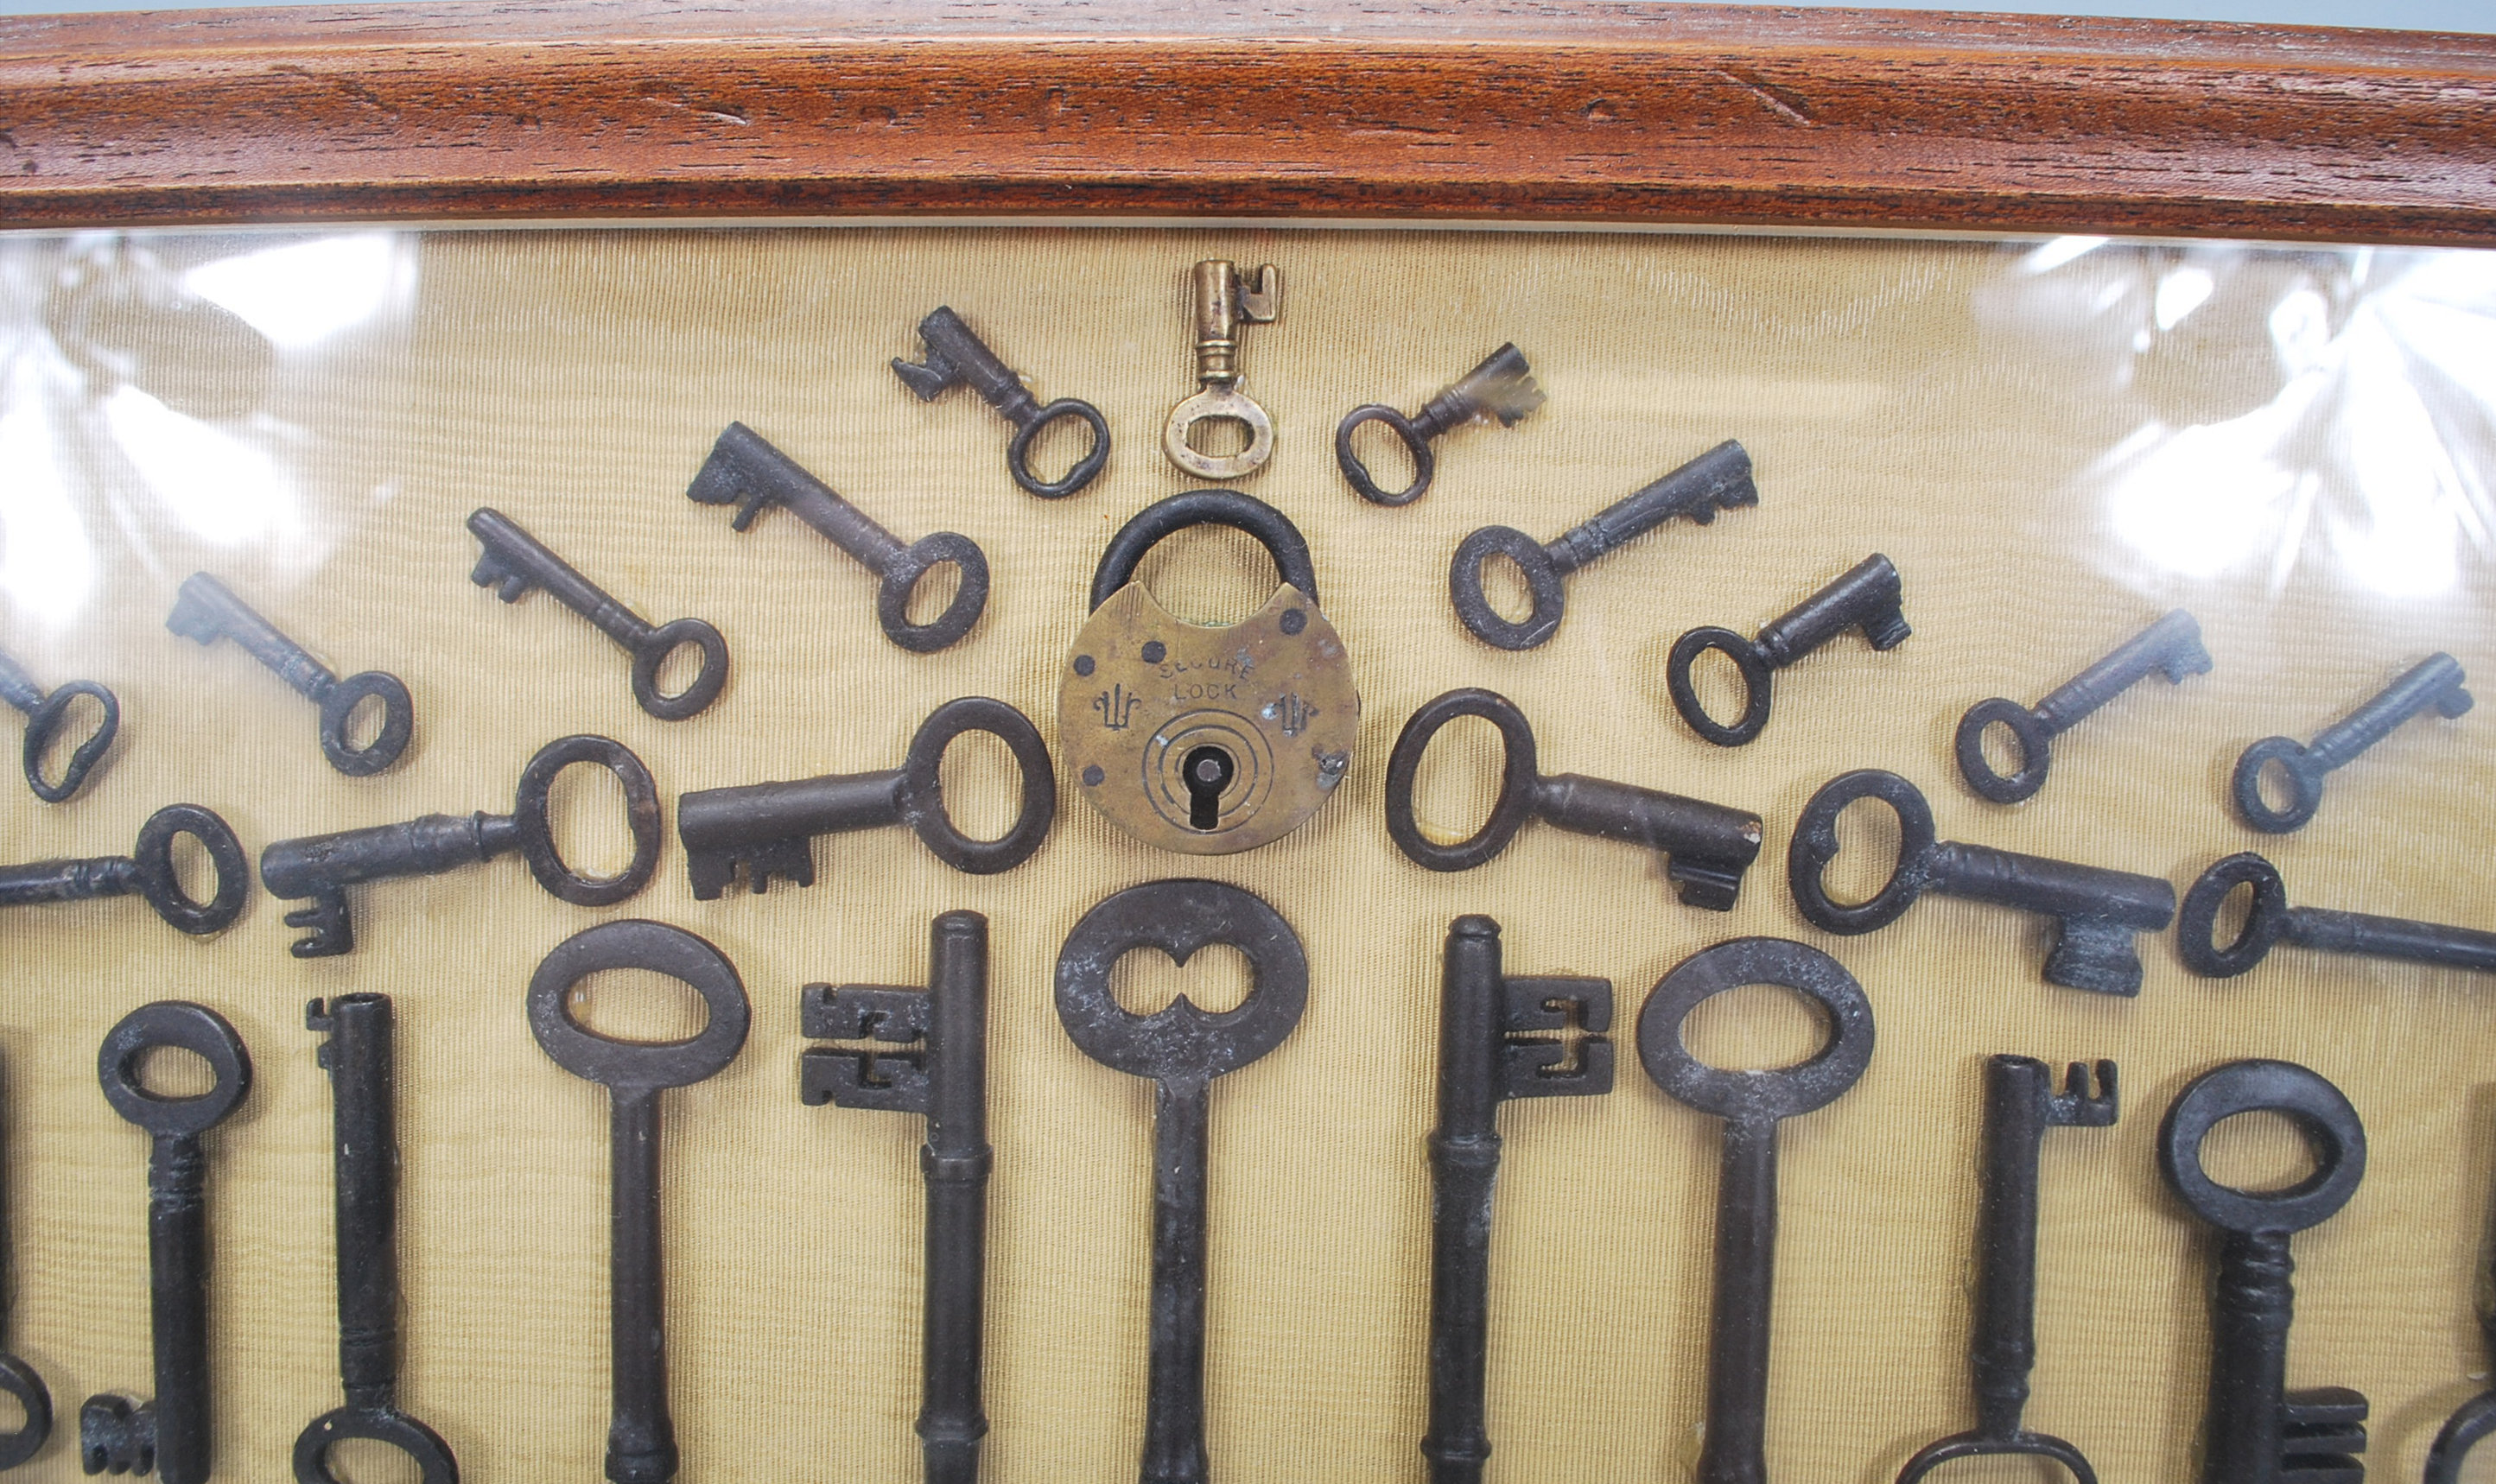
[{"x": 1199, "y": 739}]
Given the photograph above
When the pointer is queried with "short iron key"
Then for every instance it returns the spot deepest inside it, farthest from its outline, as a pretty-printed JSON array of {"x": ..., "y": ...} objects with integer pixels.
[
  {"x": 958, "y": 357},
  {"x": 2433, "y": 683},
  {"x": 2171, "y": 646},
  {"x": 512, "y": 562},
  {"x": 45, "y": 712},
  {"x": 1182, "y": 1049},
  {"x": 1868, "y": 597},
  {"x": 206, "y": 611},
  {"x": 146, "y": 872},
  {"x": 1501, "y": 388}
]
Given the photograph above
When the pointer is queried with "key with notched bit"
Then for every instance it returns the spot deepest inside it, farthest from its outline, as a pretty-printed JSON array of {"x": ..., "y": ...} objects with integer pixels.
[
  {"x": 510, "y": 561},
  {"x": 206, "y": 610}
]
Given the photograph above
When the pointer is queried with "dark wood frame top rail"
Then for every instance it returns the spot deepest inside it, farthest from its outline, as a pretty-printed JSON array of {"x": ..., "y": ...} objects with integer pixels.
[{"x": 1495, "y": 110}]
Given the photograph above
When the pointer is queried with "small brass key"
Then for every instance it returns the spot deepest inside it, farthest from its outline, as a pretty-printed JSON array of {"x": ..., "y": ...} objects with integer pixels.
[{"x": 1225, "y": 300}]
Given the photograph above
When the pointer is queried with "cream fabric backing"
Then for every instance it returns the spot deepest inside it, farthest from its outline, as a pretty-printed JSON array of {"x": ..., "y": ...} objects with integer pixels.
[{"x": 1897, "y": 396}]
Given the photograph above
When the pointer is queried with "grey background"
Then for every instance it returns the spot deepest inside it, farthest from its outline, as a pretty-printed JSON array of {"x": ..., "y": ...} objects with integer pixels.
[{"x": 2475, "y": 15}]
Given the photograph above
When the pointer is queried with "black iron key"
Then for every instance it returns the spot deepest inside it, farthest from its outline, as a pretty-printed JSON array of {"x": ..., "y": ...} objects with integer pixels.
[
  {"x": 1868, "y": 597},
  {"x": 1495, "y": 1043},
  {"x": 2172, "y": 645},
  {"x": 2097, "y": 913},
  {"x": 19, "y": 1381},
  {"x": 2433, "y": 683},
  {"x": 2259, "y": 1430},
  {"x": 358, "y": 1058},
  {"x": 1751, "y": 1104},
  {"x": 945, "y": 1081},
  {"x": 2019, "y": 1105},
  {"x": 321, "y": 867},
  {"x": 512, "y": 562},
  {"x": 2470, "y": 1423},
  {"x": 1182, "y": 1049},
  {"x": 1707, "y": 847},
  {"x": 957, "y": 358},
  {"x": 148, "y": 872},
  {"x": 641, "y": 1437},
  {"x": 1501, "y": 388},
  {"x": 2274, "y": 921},
  {"x": 171, "y": 1435},
  {"x": 205, "y": 610},
  {"x": 1717, "y": 480},
  {"x": 45, "y": 712},
  {"x": 747, "y": 472},
  {"x": 767, "y": 829}
]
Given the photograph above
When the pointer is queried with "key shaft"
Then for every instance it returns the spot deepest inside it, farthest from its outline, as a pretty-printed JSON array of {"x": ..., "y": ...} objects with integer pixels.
[
  {"x": 206, "y": 610},
  {"x": 2172, "y": 645}
]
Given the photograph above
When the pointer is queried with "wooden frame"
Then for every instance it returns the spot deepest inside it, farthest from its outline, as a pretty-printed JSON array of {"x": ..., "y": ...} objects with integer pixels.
[{"x": 1509, "y": 111}]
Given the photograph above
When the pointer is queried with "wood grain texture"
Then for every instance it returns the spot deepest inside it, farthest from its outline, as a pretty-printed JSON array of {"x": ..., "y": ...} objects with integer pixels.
[{"x": 1606, "y": 112}]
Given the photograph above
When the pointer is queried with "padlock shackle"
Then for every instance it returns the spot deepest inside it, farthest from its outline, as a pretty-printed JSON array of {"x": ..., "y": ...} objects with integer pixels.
[{"x": 1272, "y": 529}]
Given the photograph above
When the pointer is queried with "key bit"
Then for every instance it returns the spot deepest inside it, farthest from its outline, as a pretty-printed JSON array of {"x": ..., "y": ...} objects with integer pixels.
[{"x": 1225, "y": 299}]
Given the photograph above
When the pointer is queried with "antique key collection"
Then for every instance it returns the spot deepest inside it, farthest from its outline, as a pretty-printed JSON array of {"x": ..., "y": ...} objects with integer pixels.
[{"x": 1200, "y": 739}]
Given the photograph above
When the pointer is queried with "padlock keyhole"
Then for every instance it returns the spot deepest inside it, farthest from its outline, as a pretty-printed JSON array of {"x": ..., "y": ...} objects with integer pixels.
[{"x": 1207, "y": 772}]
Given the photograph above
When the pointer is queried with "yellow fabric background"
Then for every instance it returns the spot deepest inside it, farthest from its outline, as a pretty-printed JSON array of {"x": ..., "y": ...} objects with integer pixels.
[{"x": 574, "y": 380}]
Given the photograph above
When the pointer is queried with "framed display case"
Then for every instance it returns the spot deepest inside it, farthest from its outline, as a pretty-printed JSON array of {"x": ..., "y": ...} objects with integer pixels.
[{"x": 1946, "y": 354}]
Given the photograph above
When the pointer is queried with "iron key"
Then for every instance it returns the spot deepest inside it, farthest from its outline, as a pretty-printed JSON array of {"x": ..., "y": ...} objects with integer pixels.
[
  {"x": 206, "y": 611},
  {"x": 945, "y": 1081},
  {"x": 1751, "y": 1104},
  {"x": 958, "y": 357},
  {"x": 1717, "y": 480},
  {"x": 767, "y": 829},
  {"x": 2172, "y": 645},
  {"x": 148, "y": 872},
  {"x": 1502, "y": 386},
  {"x": 1707, "y": 847},
  {"x": 512, "y": 562},
  {"x": 171, "y": 1435},
  {"x": 750, "y": 474},
  {"x": 1182, "y": 1049},
  {"x": 2274, "y": 921},
  {"x": 2019, "y": 1105},
  {"x": 2434, "y": 684},
  {"x": 2259, "y": 1432},
  {"x": 19, "y": 1381},
  {"x": 2096, "y": 912},
  {"x": 357, "y": 1057},
  {"x": 1491, "y": 1048},
  {"x": 321, "y": 867},
  {"x": 46, "y": 711},
  {"x": 641, "y": 1437},
  {"x": 2470, "y": 1423},
  {"x": 1868, "y": 597}
]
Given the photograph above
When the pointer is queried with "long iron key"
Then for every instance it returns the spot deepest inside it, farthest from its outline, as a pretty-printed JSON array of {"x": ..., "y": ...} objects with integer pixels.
[
  {"x": 512, "y": 562},
  {"x": 45, "y": 712},
  {"x": 358, "y": 1058},
  {"x": 171, "y": 1435},
  {"x": 206, "y": 610},
  {"x": 1182, "y": 1049},
  {"x": 641, "y": 1437},
  {"x": 19, "y": 1381},
  {"x": 1751, "y": 1104},
  {"x": 1494, "y": 1044},
  {"x": 2470, "y": 1423},
  {"x": 146, "y": 872},
  {"x": 2259, "y": 1432},
  {"x": 2272, "y": 921},
  {"x": 2019, "y": 1105},
  {"x": 945, "y": 1080}
]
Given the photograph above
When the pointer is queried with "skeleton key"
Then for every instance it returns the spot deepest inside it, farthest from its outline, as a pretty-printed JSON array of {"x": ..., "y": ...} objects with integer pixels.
[
  {"x": 1182, "y": 1049},
  {"x": 1502, "y": 386},
  {"x": 2471, "y": 1422},
  {"x": 2434, "y": 684},
  {"x": 206, "y": 610},
  {"x": 1225, "y": 299},
  {"x": 767, "y": 829},
  {"x": 1707, "y": 847},
  {"x": 2019, "y": 1105},
  {"x": 148, "y": 872},
  {"x": 171, "y": 1435},
  {"x": 1490, "y": 1050},
  {"x": 2172, "y": 645},
  {"x": 946, "y": 1082},
  {"x": 641, "y": 1437},
  {"x": 2259, "y": 1432},
  {"x": 1868, "y": 597},
  {"x": 358, "y": 1059},
  {"x": 1751, "y": 1104},
  {"x": 2274, "y": 921},
  {"x": 321, "y": 867},
  {"x": 2096, "y": 912},
  {"x": 19, "y": 1381},
  {"x": 957, "y": 358},
  {"x": 46, "y": 711},
  {"x": 512, "y": 562},
  {"x": 750, "y": 474},
  {"x": 1718, "y": 480}
]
